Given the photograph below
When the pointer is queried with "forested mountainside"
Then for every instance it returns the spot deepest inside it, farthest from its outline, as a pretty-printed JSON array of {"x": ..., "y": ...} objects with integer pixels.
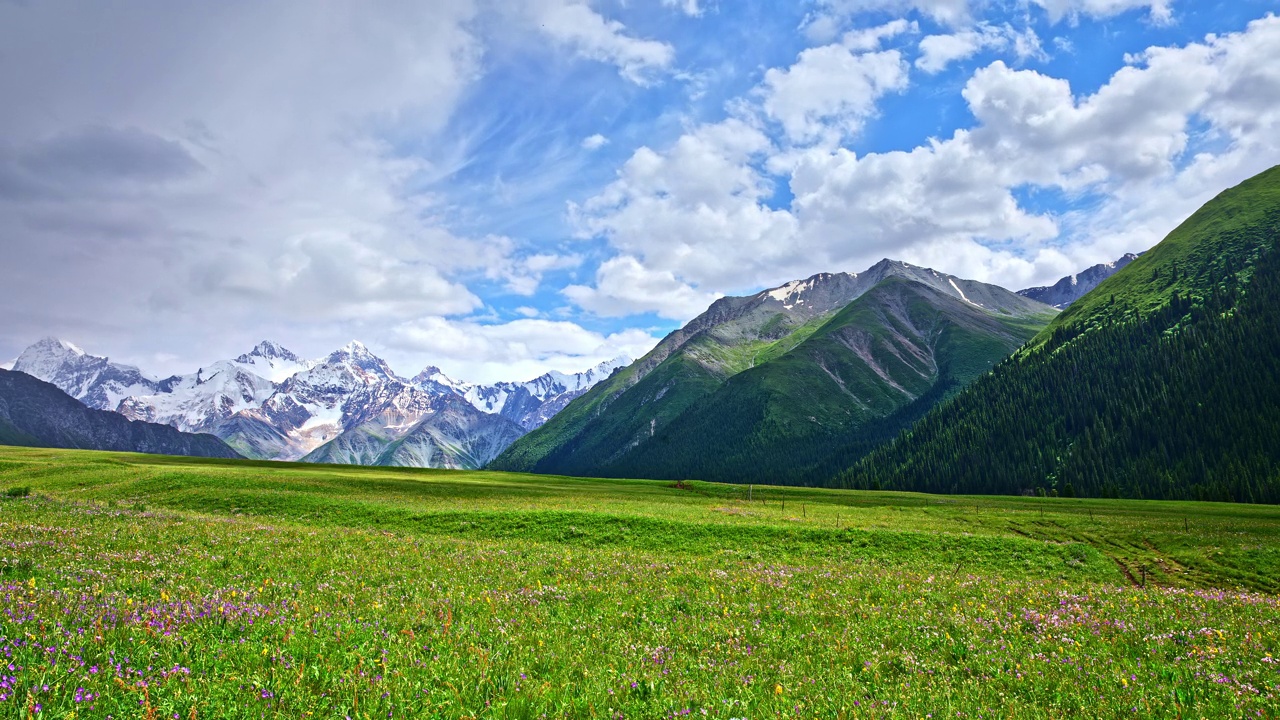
[{"x": 1163, "y": 382}]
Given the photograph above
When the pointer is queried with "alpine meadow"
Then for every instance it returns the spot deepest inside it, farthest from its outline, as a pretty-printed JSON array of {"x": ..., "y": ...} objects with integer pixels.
[{"x": 836, "y": 359}]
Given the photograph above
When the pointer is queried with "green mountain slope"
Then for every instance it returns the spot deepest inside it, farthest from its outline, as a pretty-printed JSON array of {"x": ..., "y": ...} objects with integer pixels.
[
  {"x": 884, "y": 359},
  {"x": 731, "y": 336},
  {"x": 688, "y": 407},
  {"x": 1163, "y": 382}
]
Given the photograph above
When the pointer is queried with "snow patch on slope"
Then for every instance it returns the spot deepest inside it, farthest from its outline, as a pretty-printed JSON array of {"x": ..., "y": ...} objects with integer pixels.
[{"x": 961, "y": 292}]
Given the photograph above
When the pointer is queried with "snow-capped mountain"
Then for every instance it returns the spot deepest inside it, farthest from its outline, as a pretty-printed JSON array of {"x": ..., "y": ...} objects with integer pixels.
[
  {"x": 311, "y": 407},
  {"x": 826, "y": 291},
  {"x": 269, "y": 403},
  {"x": 95, "y": 381}
]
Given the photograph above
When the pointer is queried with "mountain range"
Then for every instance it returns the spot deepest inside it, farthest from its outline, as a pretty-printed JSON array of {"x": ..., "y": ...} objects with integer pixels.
[
  {"x": 784, "y": 384},
  {"x": 348, "y": 407},
  {"x": 1158, "y": 379}
]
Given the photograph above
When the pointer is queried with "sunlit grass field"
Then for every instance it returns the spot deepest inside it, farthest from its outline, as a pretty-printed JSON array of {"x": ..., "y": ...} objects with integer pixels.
[{"x": 140, "y": 586}]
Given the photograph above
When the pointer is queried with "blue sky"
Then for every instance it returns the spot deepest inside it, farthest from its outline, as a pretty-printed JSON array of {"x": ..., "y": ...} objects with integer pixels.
[{"x": 505, "y": 188}]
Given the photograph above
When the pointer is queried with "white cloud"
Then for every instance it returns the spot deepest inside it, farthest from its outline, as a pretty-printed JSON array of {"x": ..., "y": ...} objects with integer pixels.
[
  {"x": 695, "y": 209},
  {"x": 595, "y": 142},
  {"x": 574, "y": 24},
  {"x": 624, "y": 287},
  {"x": 518, "y": 350},
  {"x": 830, "y": 91},
  {"x": 939, "y": 51}
]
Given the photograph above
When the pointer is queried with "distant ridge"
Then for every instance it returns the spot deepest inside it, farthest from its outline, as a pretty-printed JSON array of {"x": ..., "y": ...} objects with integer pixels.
[{"x": 1073, "y": 287}]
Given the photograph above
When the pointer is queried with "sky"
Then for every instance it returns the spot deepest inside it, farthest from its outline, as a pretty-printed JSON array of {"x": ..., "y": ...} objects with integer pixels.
[{"x": 504, "y": 188}]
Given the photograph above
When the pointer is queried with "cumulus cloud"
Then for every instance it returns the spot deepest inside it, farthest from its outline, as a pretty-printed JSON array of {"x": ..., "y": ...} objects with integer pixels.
[
  {"x": 594, "y": 142},
  {"x": 830, "y": 91},
  {"x": 868, "y": 39},
  {"x": 695, "y": 209}
]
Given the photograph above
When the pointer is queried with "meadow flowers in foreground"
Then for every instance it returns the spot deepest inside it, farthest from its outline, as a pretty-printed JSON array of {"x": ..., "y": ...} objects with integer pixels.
[{"x": 118, "y": 613}]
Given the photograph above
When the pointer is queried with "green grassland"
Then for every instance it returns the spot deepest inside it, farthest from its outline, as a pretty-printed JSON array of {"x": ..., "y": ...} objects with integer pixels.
[{"x": 143, "y": 586}]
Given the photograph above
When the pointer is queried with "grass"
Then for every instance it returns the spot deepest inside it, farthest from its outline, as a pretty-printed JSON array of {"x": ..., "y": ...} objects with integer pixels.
[{"x": 142, "y": 586}]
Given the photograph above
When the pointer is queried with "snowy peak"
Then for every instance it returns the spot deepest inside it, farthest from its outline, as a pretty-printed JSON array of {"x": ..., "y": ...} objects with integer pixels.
[
  {"x": 94, "y": 381},
  {"x": 355, "y": 355},
  {"x": 558, "y": 382},
  {"x": 431, "y": 376},
  {"x": 272, "y": 361},
  {"x": 270, "y": 351},
  {"x": 199, "y": 401},
  {"x": 271, "y": 403},
  {"x": 353, "y": 349},
  {"x": 46, "y": 356},
  {"x": 532, "y": 403}
]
